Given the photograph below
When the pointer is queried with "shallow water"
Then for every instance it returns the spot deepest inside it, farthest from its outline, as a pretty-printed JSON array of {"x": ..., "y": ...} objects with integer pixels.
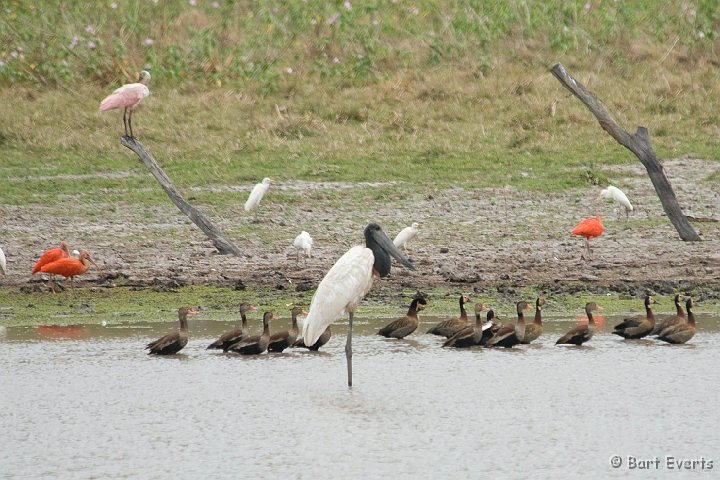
[{"x": 86, "y": 402}]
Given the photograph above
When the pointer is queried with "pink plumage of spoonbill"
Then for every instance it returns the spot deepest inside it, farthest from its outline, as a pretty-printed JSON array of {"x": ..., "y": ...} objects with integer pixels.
[{"x": 128, "y": 97}]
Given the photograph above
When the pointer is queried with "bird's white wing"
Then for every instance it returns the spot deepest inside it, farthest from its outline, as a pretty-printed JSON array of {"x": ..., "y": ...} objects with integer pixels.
[
  {"x": 256, "y": 195},
  {"x": 342, "y": 289},
  {"x": 403, "y": 237},
  {"x": 3, "y": 263},
  {"x": 620, "y": 197}
]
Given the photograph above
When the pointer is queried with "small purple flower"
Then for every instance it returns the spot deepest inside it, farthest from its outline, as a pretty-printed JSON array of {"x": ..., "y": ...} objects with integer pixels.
[
  {"x": 19, "y": 49},
  {"x": 333, "y": 18},
  {"x": 289, "y": 70},
  {"x": 313, "y": 21},
  {"x": 148, "y": 42},
  {"x": 73, "y": 42},
  {"x": 192, "y": 2},
  {"x": 347, "y": 5},
  {"x": 14, "y": 54},
  {"x": 91, "y": 45},
  {"x": 42, "y": 45},
  {"x": 216, "y": 4},
  {"x": 113, "y": 5},
  {"x": 336, "y": 60},
  {"x": 415, "y": 11},
  {"x": 90, "y": 29},
  {"x": 2, "y": 62}
]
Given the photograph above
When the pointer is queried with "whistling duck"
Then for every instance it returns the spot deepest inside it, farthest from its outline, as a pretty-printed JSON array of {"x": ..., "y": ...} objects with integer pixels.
[
  {"x": 477, "y": 334},
  {"x": 256, "y": 344},
  {"x": 175, "y": 341},
  {"x": 448, "y": 328},
  {"x": 234, "y": 335},
  {"x": 681, "y": 332},
  {"x": 324, "y": 338},
  {"x": 638, "y": 327},
  {"x": 581, "y": 333},
  {"x": 510, "y": 335},
  {"x": 667, "y": 321},
  {"x": 535, "y": 329},
  {"x": 404, "y": 326},
  {"x": 279, "y": 341}
]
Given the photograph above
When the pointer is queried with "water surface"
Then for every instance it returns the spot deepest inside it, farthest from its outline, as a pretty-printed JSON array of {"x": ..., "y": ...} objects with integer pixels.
[{"x": 86, "y": 402}]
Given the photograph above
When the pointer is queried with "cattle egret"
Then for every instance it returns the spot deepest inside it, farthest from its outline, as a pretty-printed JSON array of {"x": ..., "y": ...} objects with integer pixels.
[
  {"x": 407, "y": 234},
  {"x": 128, "y": 97},
  {"x": 347, "y": 282},
  {"x": 581, "y": 333},
  {"x": 589, "y": 228},
  {"x": 175, "y": 341},
  {"x": 303, "y": 244},
  {"x": 3, "y": 263},
  {"x": 257, "y": 194},
  {"x": 618, "y": 196}
]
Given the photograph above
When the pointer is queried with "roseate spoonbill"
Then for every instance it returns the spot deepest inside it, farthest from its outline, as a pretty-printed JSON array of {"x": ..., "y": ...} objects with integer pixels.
[
  {"x": 638, "y": 327},
  {"x": 235, "y": 335},
  {"x": 70, "y": 267},
  {"x": 581, "y": 333},
  {"x": 589, "y": 228},
  {"x": 347, "y": 282},
  {"x": 407, "y": 234},
  {"x": 3, "y": 263},
  {"x": 404, "y": 326},
  {"x": 128, "y": 97},
  {"x": 279, "y": 341},
  {"x": 448, "y": 328},
  {"x": 175, "y": 341},
  {"x": 681, "y": 332},
  {"x": 324, "y": 338},
  {"x": 477, "y": 334},
  {"x": 257, "y": 194},
  {"x": 303, "y": 243},
  {"x": 256, "y": 344},
  {"x": 535, "y": 329},
  {"x": 618, "y": 196},
  {"x": 678, "y": 318},
  {"x": 510, "y": 335}
]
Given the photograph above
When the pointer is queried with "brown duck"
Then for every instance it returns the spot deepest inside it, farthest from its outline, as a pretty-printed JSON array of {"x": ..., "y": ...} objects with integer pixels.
[
  {"x": 510, "y": 335},
  {"x": 324, "y": 338},
  {"x": 175, "y": 341},
  {"x": 256, "y": 344},
  {"x": 477, "y": 334},
  {"x": 581, "y": 333},
  {"x": 681, "y": 332},
  {"x": 279, "y": 341},
  {"x": 235, "y": 335},
  {"x": 665, "y": 322},
  {"x": 535, "y": 329},
  {"x": 404, "y": 326},
  {"x": 638, "y": 327},
  {"x": 450, "y": 327}
]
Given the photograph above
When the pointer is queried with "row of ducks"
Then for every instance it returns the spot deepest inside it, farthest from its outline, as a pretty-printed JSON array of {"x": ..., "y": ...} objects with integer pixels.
[
  {"x": 674, "y": 329},
  {"x": 239, "y": 340}
]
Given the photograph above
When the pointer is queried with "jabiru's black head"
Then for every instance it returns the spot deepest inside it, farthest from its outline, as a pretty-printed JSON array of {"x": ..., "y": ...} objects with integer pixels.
[{"x": 382, "y": 248}]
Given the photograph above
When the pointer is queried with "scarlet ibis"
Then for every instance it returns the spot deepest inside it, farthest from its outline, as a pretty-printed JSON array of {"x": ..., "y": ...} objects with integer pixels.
[
  {"x": 407, "y": 234},
  {"x": 581, "y": 333},
  {"x": 618, "y": 196},
  {"x": 128, "y": 97},
  {"x": 70, "y": 267},
  {"x": 173, "y": 342},
  {"x": 303, "y": 244},
  {"x": 589, "y": 228},
  {"x": 347, "y": 282},
  {"x": 51, "y": 255}
]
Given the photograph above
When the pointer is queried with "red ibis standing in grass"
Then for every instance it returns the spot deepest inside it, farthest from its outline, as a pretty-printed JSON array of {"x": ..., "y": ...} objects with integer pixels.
[
  {"x": 70, "y": 267},
  {"x": 347, "y": 282},
  {"x": 589, "y": 228}
]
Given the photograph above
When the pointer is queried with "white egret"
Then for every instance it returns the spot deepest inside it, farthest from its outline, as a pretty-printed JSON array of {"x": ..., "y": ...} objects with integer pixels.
[
  {"x": 303, "y": 244},
  {"x": 407, "y": 234},
  {"x": 257, "y": 194},
  {"x": 3, "y": 263},
  {"x": 347, "y": 282},
  {"x": 618, "y": 196}
]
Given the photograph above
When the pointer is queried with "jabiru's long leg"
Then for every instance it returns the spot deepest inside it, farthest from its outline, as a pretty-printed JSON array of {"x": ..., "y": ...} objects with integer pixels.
[
  {"x": 125, "y": 121},
  {"x": 348, "y": 349}
]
